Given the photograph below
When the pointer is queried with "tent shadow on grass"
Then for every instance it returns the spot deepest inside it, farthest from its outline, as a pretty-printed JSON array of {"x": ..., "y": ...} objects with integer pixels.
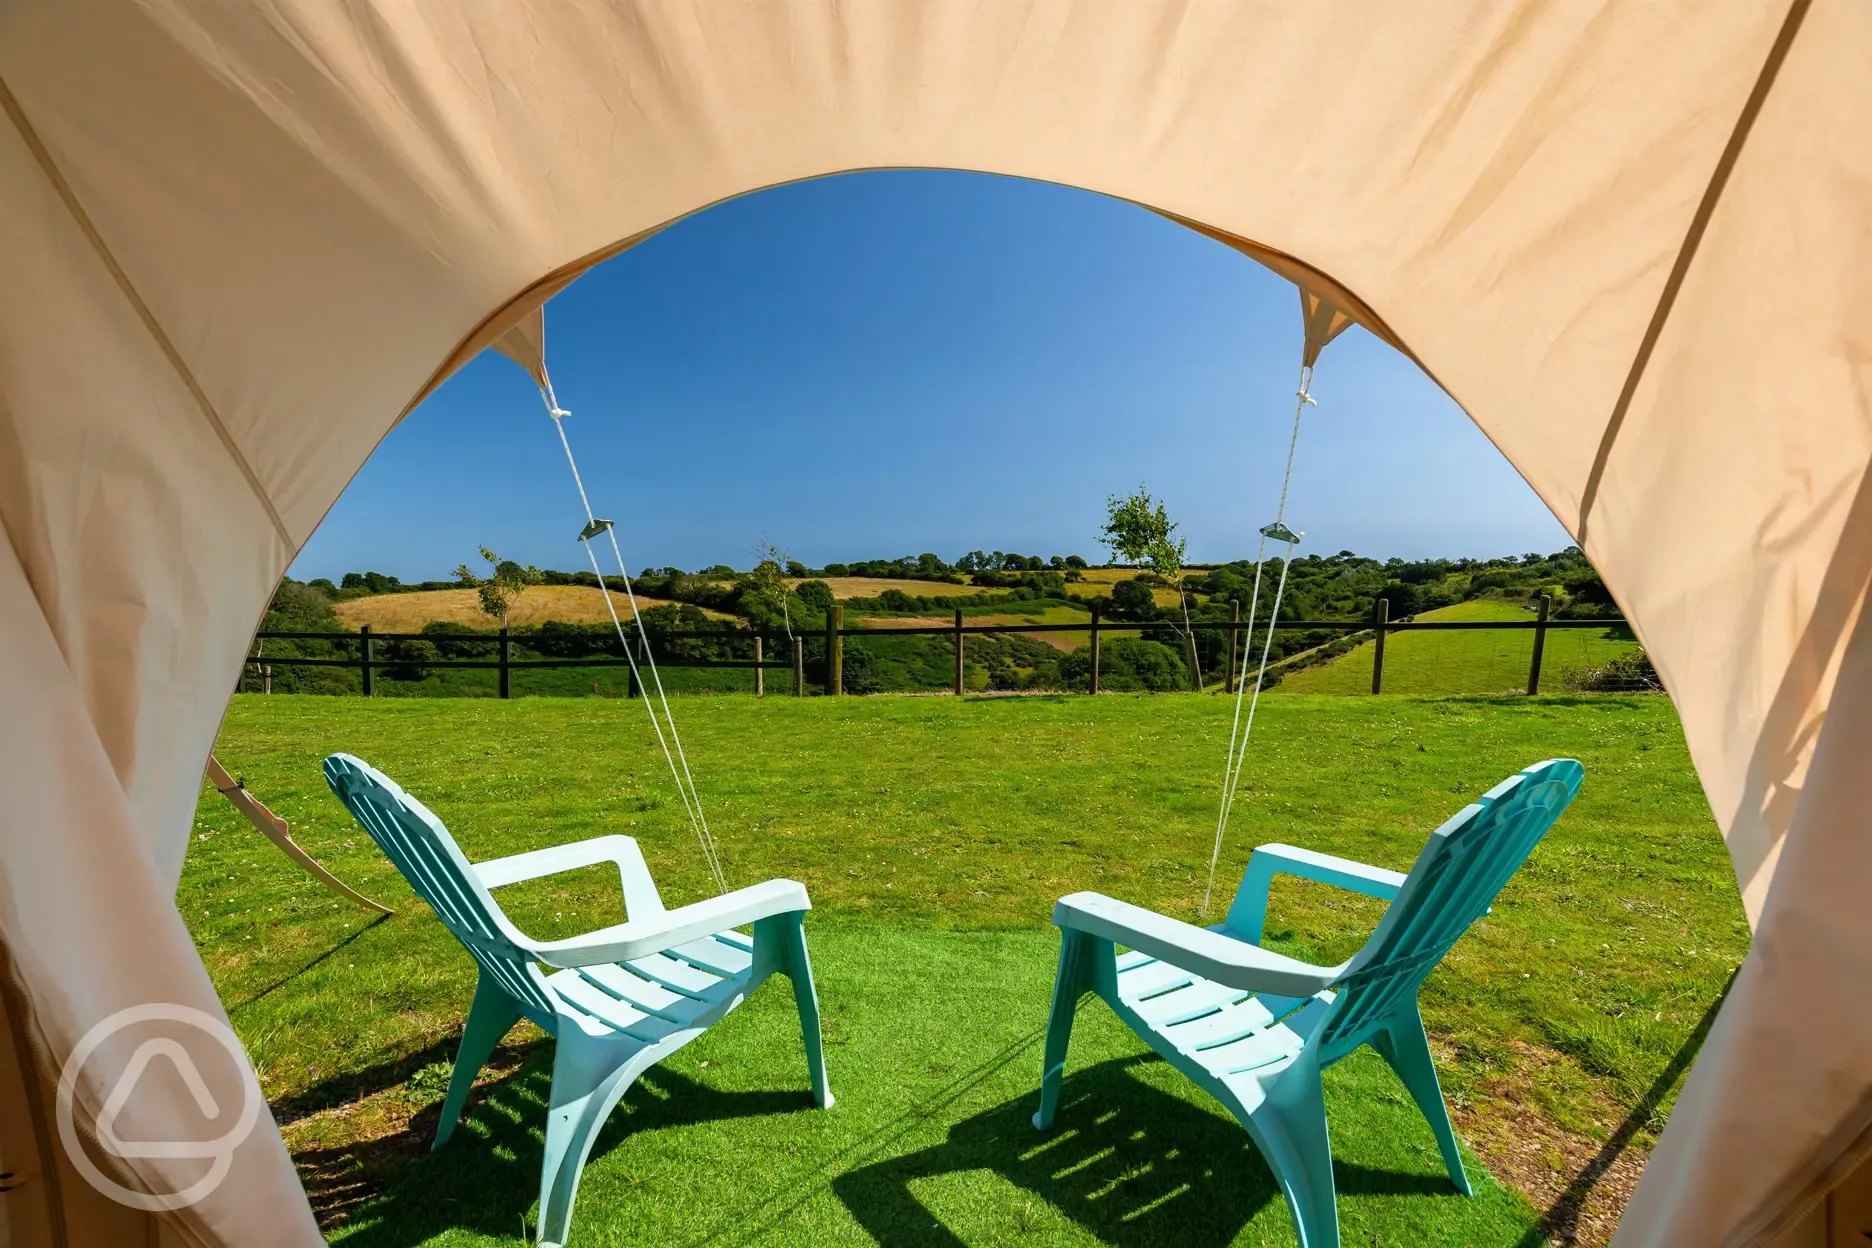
[
  {"x": 263, "y": 993},
  {"x": 1130, "y": 1163},
  {"x": 487, "y": 1178}
]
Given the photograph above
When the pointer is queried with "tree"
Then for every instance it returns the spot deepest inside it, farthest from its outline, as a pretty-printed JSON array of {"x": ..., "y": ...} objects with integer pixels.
[
  {"x": 815, "y": 594},
  {"x": 769, "y": 580},
  {"x": 1132, "y": 600},
  {"x": 502, "y": 588},
  {"x": 1138, "y": 530},
  {"x": 370, "y": 582}
]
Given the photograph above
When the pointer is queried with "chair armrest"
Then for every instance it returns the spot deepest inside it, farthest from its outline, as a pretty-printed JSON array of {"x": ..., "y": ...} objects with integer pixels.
[
  {"x": 1199, "y": 950},
  {"x": 640, "y": 893},
  {"x": 1248, "y": 914},
  {"x": 642, "y": 937}
]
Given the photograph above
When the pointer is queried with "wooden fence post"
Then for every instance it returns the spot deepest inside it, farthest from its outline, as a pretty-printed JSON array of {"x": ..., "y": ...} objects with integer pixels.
[
  {"x": 506, "y": 660},
  {"x": 266, "y": 679},
  {"x": 633, "y": 687},
  {"x": 958, "y": 652},
  {"x": 365, "y": 657},
  {"x": 1381, "y": 615},
  {"x": 1093, "y": 646},
  {"x": 1540, "y": 644},
  {"x": 1228, "y": 678},
  {"x": 799, "y": 667},
  {"x": 760, "y": 673},
  {"x": 834, "y": 652}
]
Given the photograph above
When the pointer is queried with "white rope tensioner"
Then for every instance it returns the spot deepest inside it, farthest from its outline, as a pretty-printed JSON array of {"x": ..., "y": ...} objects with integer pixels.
[{"x": 677, "y": 760}]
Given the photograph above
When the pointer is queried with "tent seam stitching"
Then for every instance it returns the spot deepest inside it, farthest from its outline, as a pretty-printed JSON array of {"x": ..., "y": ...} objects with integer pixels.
[
  {"x": 69, "y": 198},
  {"x": 1686, "y": 253}
]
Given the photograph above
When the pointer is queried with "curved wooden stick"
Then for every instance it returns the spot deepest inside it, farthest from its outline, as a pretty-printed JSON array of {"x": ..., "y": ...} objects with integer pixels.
[{"x": 274, "y": 829}]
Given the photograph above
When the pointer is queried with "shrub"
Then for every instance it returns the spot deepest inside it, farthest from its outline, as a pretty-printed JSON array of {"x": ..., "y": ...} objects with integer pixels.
[
  {"x": 1133, "y": 600},
  {"x": 408, "y": 660},
  {"x": 1128, "y": 664},
  {"x": 1630, "y": 672},
  {"x": 858, "y": 670},
  {"x": 815, "y": 594}
]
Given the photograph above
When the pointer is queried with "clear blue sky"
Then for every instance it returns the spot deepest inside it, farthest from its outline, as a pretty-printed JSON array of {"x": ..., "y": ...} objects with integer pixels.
[{"x": 888, "y": 363}]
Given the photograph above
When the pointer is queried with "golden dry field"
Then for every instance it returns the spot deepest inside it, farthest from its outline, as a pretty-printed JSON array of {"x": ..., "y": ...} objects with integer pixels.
[
  {"x": 1098, "y": 582},
  {"x": 871, "y": 586},
  {"x": 1066, "y": 642},
  {"x": 407, "y": 613},
  {"x": 1107, "y": 576}
]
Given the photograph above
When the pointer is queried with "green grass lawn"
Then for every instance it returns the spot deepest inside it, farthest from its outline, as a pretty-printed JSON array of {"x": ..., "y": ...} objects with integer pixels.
[
  {"x": 1482, "y": 661},
  {"x": 934, "y": 835}
]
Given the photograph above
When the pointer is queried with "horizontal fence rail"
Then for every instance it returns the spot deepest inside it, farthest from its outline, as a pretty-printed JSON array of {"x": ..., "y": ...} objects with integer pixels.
[{"x": 787, "y": 653}]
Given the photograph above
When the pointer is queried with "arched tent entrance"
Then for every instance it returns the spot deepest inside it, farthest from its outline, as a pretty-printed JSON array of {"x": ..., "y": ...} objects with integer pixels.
[{"x": 1631, "y": 240}]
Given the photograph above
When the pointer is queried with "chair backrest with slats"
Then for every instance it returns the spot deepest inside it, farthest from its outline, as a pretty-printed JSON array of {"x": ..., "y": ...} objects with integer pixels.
[
  {"x": 1464, "y": 865},
  {"x": 415, "y": 840}
]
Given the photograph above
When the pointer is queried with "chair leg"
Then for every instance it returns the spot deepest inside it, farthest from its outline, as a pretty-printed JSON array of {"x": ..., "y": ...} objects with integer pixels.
[
  {"x": 1290, "y": 1128},
  {"x": 1405, "y": 1047},
  {"x": 788, "y": 932},
  {"x": 590, "y": 1076},
  {"x": 1073, "y": 981},
  {"x": 492, "y": 1016}
]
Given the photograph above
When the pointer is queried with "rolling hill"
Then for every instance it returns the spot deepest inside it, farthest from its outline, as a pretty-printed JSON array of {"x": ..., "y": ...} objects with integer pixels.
[
  {"x": 1463, "y": 662},
  {"x": 407, "y": 613}
]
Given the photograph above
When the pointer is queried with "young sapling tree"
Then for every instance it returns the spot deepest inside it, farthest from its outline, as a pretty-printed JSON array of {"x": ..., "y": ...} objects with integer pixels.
[
  {"x": 1139, "y": 531},
  {"x": 502, "y": 587}
]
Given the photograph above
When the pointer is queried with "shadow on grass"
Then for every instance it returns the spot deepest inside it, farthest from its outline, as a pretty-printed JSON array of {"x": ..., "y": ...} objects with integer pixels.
[
  {"x": 283, "y": 980},
  {"x": 354, "y": 1085},
  {"x": 486, "y": 1179},
  {"x": 1131, "y": 1164},
  {"x": 1560, "y": 1224}
]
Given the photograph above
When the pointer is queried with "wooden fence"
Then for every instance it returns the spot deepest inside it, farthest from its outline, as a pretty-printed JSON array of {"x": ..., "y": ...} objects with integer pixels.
[{"x": 792, "y": 652}]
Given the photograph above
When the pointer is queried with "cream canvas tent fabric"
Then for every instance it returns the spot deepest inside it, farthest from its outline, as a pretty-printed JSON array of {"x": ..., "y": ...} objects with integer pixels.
[{"x": 238, "y": 241}]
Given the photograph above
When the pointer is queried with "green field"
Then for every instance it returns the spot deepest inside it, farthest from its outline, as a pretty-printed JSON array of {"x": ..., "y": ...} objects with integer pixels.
[
  {"x": 1483, "y": 661},
  {"x": 934, "y": 834}
]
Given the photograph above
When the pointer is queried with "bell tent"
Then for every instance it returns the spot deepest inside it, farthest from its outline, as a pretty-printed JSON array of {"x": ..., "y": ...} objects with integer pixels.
[{"x": 240, "y": 242}]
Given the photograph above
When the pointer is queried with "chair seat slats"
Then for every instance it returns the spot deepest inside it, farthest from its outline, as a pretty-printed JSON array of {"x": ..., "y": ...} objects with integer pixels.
[
  {"x": 683, "y": 977},
  {"x": 636, "y": 991},
  {"x": 1193, "y": 1000},
  {"x": 1229, "y": 1023},
  {"x": 586, "y": 1003},
  {"x": 1146, "y": 981},
  {"x": 716, "y": 956},
  {"x": 1277, "y": 1042}
]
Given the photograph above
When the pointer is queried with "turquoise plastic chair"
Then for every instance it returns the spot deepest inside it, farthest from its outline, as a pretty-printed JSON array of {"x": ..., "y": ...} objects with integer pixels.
[
  {"x": 624, "y": 997},
  {"x": 1255, "y": 1029}
]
